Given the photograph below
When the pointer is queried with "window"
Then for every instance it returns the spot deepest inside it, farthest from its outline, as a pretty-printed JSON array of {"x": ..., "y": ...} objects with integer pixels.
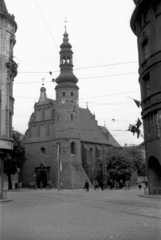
[
  {"x": 148, "y": 88},
  {"x": 147, "y": 85},
  {"x": 91, "y": 154},
  {"x": 43, "y": 150},
  {"x": 72, "y": 116},
  {"x": 72, "y": 94},
  {"x": 145, "y": 49},
  {"x": 63, "y": 94},
  {"x": 152, "y": 126},
  {"x": 73, "y": 148},
  {"x": 68, "y": 59}
]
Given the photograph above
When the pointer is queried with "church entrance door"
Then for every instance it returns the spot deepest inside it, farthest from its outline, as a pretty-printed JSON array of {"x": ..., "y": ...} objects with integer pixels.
[
  {"x": 42, "y": 178},
  {"x": 42, "y": 175}
]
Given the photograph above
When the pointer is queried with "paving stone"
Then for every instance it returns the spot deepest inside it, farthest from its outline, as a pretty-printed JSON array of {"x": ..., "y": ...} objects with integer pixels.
[{"x": 80, "y": 215}]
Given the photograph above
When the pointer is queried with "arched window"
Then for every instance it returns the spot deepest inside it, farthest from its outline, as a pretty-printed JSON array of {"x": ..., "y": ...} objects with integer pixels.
[
  {"x": 72, "y": 94},
  {"x": 91, "y": 154},
  {"x": 63, "y": 94},
  {"x": 73, "y": 148},
  {"x": 43, "y": 150}
]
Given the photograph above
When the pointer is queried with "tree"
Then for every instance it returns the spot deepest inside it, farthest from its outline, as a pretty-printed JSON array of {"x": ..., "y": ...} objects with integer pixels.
[
  {"x": 15, "y": 159},
  {"x": 119, "y": 164},
  {"x": 138, "y": 160}
]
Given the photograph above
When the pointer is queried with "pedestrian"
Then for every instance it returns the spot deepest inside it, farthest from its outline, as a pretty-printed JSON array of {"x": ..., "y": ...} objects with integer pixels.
[
  {"x": 140, "y": 186},
  {"x": 34, "y": 185},
  {"x": 127, "y": 185},
  {"x": 41, "y": 185},
  {"x": 20, "y": 186},
  {"x": 61, "y": 186},
  {"x": 86, "y": 186}
]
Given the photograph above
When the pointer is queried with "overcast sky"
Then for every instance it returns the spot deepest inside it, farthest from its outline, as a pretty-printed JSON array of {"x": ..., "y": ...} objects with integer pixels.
[{"x": 105, "y": 58}]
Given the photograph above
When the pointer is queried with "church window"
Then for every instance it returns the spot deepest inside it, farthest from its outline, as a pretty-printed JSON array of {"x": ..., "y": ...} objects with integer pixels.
[
  {"x": 43, "y": 150},
  {"x": 68, "y": 59},
  {"x": 64, "y": 60},
  {"x": 91, "y": 154},
  {"x": 73, "y": 148}
]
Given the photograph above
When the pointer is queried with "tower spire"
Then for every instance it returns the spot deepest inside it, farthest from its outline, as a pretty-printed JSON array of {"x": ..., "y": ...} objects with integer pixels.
[
  {"x": 66, "y": 77},
  {"x": 3, "y": 7},
  {"x": 65, "y": 21}
]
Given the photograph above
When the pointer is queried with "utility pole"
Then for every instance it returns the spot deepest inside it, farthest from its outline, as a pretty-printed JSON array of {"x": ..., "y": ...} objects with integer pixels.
[
  {"x": 104, "y": 166},
  {"x": 58, "y": 159}
]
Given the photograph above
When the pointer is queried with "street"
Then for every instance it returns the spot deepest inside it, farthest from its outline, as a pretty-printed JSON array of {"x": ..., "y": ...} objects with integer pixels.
[{"x": 79, "y": 215}]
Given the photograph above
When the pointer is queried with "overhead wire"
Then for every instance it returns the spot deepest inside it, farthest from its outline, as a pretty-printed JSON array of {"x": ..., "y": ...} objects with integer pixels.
[
  {"x": 82, "y": 68},
  {"x": 46, "y": 24},
  {"x": 112, "y": 75}
]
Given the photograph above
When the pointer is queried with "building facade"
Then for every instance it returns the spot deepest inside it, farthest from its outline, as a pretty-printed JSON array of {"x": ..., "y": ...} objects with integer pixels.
[
  {"x": 146, "y": 25},
  {"x": 63, "y": 141},
  {"x": 8, "y": 71}
]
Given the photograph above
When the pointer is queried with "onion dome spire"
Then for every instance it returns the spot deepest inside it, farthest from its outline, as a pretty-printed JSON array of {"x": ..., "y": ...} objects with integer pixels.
[
  {"x": 3, "y": 7},
  {"x": 66, "y": 77}
]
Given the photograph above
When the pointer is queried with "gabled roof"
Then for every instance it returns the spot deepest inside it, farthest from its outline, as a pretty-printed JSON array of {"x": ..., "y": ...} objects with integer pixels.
[
  {"x": 111, "y": 139},
  {"x": 3, "y": 7},
  {"x": 91, "y": 132}
]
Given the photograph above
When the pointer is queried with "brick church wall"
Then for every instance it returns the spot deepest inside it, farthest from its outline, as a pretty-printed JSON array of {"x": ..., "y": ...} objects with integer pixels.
[{"x": 35, "y": 157}]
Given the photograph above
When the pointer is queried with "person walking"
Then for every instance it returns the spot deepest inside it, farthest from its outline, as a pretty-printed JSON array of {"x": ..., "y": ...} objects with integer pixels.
[
  {"x": 86, "y": 186},
  {"x": 127, "y": 185},
  {"x": 41, "y": 185},
  {"x": 61, "y": 186}
]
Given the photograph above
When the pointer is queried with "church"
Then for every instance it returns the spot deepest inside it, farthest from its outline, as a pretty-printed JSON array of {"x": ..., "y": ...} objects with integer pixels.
[{"x": 63, "y": 141}]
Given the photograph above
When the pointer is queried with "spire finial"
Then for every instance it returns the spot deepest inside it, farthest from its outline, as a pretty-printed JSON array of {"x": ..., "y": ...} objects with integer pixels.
[
  {"x": 43, "y": 79},
  {"x": 65, "y": 21}
]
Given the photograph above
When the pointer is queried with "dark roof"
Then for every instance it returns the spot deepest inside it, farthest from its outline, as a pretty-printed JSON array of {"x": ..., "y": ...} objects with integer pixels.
[
  {"x": 111, "y": 139},
  {"x": 3, "y": 7},
  {"x": 91, "y": 132}
]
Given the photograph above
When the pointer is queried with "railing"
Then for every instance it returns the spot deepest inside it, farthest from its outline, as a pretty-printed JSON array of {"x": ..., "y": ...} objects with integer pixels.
[
  {"x": 3, "y": 194},
  {"x": 152, "y": 191}
]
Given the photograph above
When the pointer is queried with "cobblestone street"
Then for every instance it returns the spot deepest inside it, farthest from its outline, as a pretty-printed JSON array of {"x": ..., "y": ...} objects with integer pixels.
[{"x": 78, "y": 215}]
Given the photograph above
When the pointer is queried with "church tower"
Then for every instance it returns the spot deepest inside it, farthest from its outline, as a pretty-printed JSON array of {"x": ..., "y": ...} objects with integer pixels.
[{"x": 67, "y": 126}]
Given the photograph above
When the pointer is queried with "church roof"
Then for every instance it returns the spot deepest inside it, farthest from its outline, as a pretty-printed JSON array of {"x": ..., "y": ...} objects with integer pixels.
[
  {"x": 3, "y": 7},
  {"x": 111, "y": 139},
  {"x": 43, "y": 97},
  {"x": 91, "y": 132}
]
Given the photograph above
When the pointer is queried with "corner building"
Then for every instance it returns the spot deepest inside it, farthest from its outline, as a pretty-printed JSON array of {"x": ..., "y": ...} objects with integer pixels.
[
  {"x": 146, "y": 25},
  {"x": 8, "y": 71},
  {"x": 63, "y": 123}
]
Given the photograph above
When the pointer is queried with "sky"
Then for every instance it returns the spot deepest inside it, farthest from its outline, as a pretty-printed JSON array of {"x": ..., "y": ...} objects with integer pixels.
[{"x": 105, "y": 59}]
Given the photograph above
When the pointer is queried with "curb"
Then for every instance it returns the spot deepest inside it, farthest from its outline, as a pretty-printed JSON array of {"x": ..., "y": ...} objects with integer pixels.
[
  {"x": 150, "y": 196},
  {"x": 5, "y": 200}
]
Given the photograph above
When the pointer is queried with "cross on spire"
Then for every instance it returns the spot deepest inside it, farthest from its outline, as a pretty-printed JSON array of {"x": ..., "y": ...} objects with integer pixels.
[
  {"x": 65, "y": 21},
  {"x": 43, "y": 79}
]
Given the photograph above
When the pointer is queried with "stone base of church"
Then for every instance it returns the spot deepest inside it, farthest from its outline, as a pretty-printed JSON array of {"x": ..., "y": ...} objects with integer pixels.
[{"x": 73, "y": 176}]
